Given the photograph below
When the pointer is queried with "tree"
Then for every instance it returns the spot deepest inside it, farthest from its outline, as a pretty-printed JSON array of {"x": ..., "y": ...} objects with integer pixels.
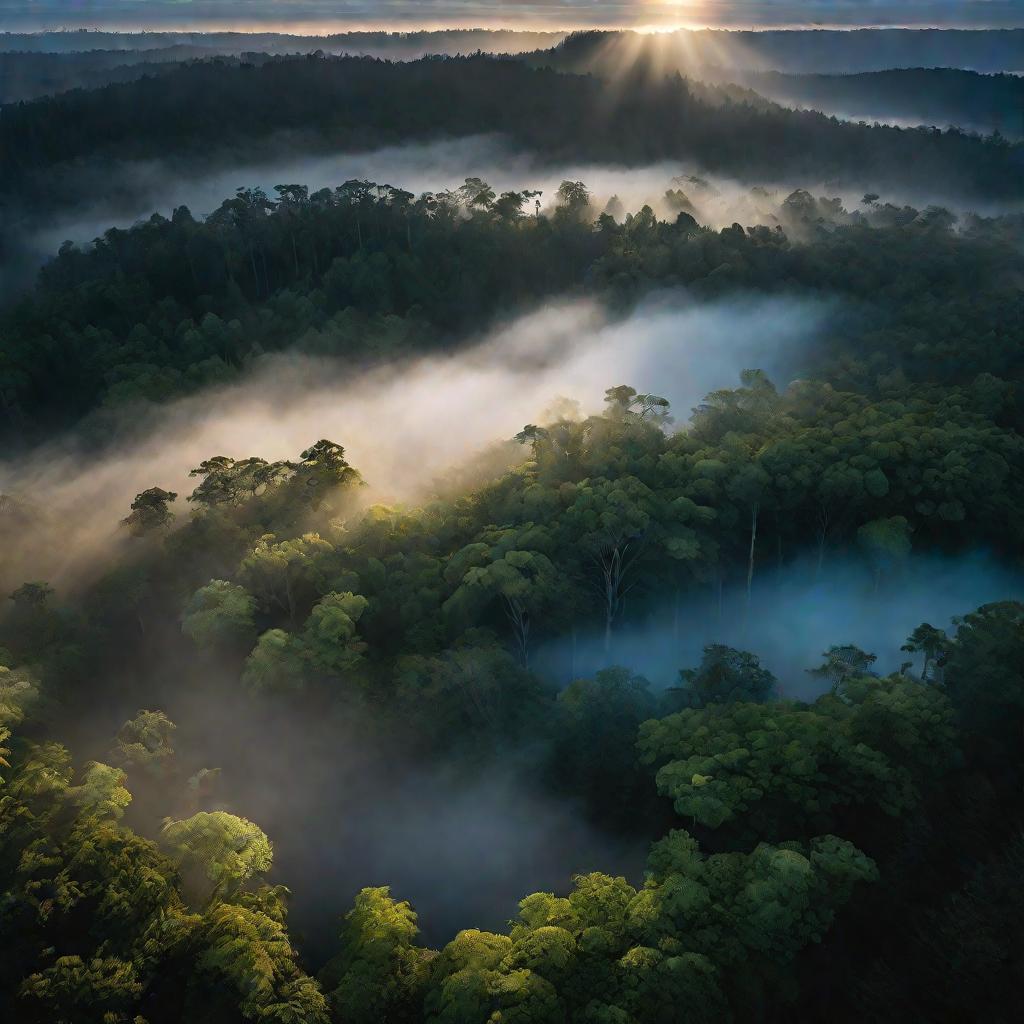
[
  {"x": 220, "y": 614},
  {"x": 475, "y": 192},
  {"x": 932, "y": 643},
  {"x": 216, "y": 853},
  {"x": 886, "y": 543},
  {"x": 323, "y": 472},
  {"x": 749, "y": 487},
  {"x": 983, "y": 675},
  {"x": 726, "y": 675},
  {"x": 226, "y": 481},
  {"x": 378, "y": 973},
  {"x": 763, "y": 770},
  {"x": 573, "y": 197},
  {"x": 150, "y": 512},
  {"x": 275, "y": 664},
  {"x": 526, "y": 582},
  {"x": 285, "y": 573},
  {"x": 843, "y": 662},
  {"x": 101, "y": 792},
  {"x": 145, "y": 742},
  {"x": 330, "y": 637},
  {"x": 594, "y": 751},
  {"x": 249, "y": 967}
]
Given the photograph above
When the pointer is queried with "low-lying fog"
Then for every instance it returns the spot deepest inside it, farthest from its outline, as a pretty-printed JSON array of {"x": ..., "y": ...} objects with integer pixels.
[
  {"x": 346, "y": 811},
  {"x": 793, "y": 615},
  {"x": 403, "y": 425},
  {"x": 121, "y": 194}
]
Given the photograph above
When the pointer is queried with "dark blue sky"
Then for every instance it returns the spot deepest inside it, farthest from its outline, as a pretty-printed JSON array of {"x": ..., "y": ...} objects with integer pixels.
[{"x": 307, "y": 14}]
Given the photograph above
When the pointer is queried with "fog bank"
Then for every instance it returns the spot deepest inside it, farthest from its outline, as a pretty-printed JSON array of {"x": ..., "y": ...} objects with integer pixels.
[
  {"x": 402, "y": 424},
  {"x": 119, "y": 194},
  {"x": 795, "y": 613}
]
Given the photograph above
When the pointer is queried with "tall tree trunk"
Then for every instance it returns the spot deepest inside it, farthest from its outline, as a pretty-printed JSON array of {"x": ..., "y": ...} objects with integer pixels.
[
  {"x": 611, "y": 567},
  {"x": 255, "y": 272},
  {"x": 753, "y": 539},
  {"x": 823, "y": 518},
  {"x": 520, "y": 621}
]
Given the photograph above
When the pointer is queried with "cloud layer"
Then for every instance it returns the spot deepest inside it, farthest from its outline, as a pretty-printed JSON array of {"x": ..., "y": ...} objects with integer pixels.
[{"x": 328, "y": 15}]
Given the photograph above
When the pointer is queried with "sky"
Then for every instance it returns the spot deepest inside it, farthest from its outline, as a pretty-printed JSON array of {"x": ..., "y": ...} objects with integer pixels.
[{"x": 339, "y": 15}]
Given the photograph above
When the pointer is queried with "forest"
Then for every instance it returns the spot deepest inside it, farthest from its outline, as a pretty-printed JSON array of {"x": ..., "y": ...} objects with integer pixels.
[{"x": 486, "y": 605}]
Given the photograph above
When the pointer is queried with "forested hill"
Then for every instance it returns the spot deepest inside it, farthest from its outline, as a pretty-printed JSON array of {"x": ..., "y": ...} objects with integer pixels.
[
  {"x": 211, "y": 109},
  {"x": 812, "y": 51},
  {"x": 366, "y": 271},
  {"x": 936, "y": 96}
]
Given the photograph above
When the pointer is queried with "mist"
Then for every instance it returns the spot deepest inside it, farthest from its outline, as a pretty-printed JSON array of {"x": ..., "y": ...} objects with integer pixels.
[
  {"x": 795, "y": 613},
  {"x": 347, "y": 808},
  {"x": 403, "y": 425},
  {"x": 122, "y": 193}
]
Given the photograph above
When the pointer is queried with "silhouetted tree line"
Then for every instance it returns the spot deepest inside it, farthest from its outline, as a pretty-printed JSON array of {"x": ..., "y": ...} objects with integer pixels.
[
  {"x": 218, "y": 110},
  {"x": 369, "y": 271}
]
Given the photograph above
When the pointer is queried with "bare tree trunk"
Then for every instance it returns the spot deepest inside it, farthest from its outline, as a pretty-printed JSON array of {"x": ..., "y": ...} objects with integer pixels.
[
  {"x": 520, "y": 620},
  {"x": 612, "y": 569},
  {"x": 823, "y": 519},
  {"x": 750, "y": 560}
]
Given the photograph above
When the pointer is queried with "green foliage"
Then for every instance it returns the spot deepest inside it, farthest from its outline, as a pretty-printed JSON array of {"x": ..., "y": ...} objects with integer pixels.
[
  {"x": 219, "y": 614},
  {"x": 150, "y": 512},
  {"x": 790, "y": 769},
  {"x": 216, "y": 852},
  {"x": 378, "y": 974},
  {"x": 427, "y": 618},
  {"x": 984, "y": 671},
  {"x": 727, "y": 676},
  {"x": 886, "y": 542},
  {"x": 145, "y": 742},
  {"x": 249, "y": 964}
]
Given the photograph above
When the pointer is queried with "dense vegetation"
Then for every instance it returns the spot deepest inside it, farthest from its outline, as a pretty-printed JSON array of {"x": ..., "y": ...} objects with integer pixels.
[
  {"x": 427, "y": 617},
  {"x": 939, "y": 96},
  {"x": 852, "y": 856},
  {"x": 209, "y": 109},
  {"x": 366, "y": 271},
  {"x": 809, "y": 51}
]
